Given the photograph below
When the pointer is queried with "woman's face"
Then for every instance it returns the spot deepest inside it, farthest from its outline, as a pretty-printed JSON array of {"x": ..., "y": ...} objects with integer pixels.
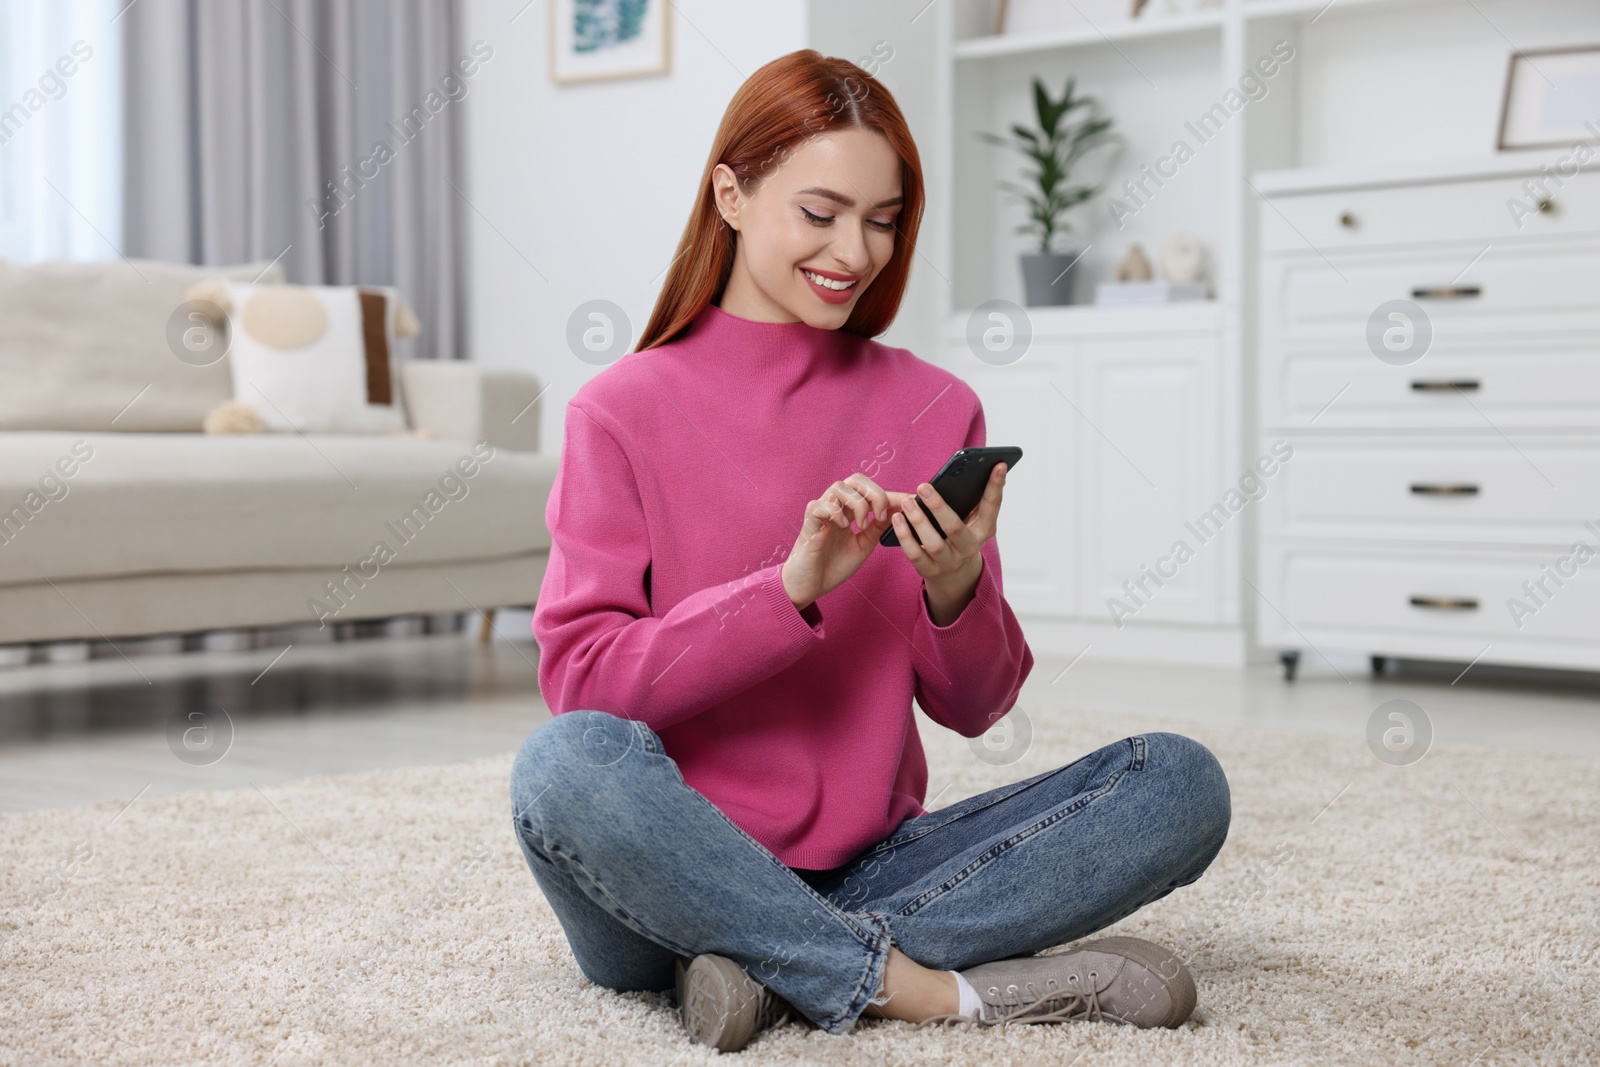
[{"x": 824, "y": 218}]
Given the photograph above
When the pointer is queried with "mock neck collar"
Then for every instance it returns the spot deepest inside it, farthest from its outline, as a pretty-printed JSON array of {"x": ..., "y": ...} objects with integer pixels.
[{"x": 766, "y": 345}]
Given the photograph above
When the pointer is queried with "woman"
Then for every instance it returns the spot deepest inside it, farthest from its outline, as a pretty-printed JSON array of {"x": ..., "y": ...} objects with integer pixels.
[{"x": 728, "y": 798}]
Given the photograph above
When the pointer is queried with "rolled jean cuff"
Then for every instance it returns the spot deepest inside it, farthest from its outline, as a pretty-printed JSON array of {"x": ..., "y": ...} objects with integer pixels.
[{"x": 871, "y": 979}]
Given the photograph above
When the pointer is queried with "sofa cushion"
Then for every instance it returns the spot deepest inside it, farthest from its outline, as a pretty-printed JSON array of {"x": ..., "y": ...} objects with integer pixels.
[
  {"x": 317, "y": 358},
  {"x": 85, "y": 346},
  {"x": 81, "y": 505}
]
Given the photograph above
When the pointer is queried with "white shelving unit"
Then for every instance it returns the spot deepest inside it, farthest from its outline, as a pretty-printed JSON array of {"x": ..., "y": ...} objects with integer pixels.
[{"x": 1138, "y": 422}]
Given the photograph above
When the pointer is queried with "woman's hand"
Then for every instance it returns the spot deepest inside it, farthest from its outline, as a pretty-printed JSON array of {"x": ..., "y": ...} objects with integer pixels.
[
  {"x": 949, "y": 565},
  {"x": 827, "y": 552}
]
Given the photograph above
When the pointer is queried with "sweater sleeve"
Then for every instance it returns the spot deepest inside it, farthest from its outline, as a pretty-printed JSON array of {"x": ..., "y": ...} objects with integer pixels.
[
  {"x": 968, "y": 674},
  {"x": 600, "y": 645}
]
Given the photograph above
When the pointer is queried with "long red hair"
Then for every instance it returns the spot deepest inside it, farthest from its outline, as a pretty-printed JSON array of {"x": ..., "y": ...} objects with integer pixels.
[{"x": 787, "y": 101}]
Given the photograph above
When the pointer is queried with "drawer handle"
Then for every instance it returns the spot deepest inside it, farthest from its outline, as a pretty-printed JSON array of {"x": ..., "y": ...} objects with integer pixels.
[
  {"x": 1448, "y": 292},
  {"x": 1444, "y": 489},
  {"x": 1347, "y": 220},
  {"x": 1466, "y": 385},
  {"x": 1445, "y": 603}
]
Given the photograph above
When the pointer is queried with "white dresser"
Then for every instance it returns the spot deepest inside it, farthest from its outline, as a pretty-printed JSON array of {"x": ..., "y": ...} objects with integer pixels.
[{"x": 1448, "y": 506}]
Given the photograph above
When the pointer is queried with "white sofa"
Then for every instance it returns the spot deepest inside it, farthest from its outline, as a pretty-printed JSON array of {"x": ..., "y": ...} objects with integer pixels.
[{"x": 119, "y": 517}]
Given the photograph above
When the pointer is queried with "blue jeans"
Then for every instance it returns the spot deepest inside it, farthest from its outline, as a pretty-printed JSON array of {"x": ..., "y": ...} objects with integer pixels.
[{"x": 641, "y": 869}]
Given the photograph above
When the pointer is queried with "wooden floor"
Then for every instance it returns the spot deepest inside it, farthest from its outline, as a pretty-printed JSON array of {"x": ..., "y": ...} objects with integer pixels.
[{"x": 75, "y": 733}]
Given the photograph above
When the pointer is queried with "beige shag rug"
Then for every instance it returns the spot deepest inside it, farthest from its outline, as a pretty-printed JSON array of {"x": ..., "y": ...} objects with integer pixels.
[{"x": 1360, "y": 913}]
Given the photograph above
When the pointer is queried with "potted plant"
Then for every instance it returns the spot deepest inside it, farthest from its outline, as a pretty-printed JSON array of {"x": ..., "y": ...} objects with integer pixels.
[{"x": 1055, "y": 147}]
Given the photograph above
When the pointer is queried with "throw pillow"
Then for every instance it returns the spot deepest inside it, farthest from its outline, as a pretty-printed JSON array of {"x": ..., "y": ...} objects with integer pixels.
[{"x": 312, "y": 358}]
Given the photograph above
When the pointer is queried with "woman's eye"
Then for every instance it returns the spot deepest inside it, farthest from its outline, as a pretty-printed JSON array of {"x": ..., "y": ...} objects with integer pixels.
[{"x": 823, "y": 220}]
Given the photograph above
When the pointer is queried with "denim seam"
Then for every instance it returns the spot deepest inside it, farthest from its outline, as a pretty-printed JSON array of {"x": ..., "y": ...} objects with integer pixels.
[
  {"x": 867, "y": 988},
  {"x": 620, "y": 913},
  {"x": 863, "y": 934},
  {"x": 1077, "y": 804},
  {"x": 892, "y": 841}
]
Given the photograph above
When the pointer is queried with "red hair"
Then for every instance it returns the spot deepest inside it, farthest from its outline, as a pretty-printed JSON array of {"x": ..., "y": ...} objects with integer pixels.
[{"x": 787, "y": 101}]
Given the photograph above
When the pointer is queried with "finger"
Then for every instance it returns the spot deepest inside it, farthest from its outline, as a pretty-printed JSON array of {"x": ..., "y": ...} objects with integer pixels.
[
  {"x": 877, "y": 497},
  {"x": 987, "y": 515},
  {"x": 943, "y": 512},
  {"x": 853, "y": 499},
  {"x": 825, "y": 512},
  {"x": 908, "y": 543},
  {"x": 817, "y": 516},
  {"x": 933, "y": 542},
  {"x": 837, "y": 513}
]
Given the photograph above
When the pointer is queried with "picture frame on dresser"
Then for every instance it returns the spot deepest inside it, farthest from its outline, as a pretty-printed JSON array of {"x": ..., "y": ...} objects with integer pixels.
[{"x": 1551, "y": 98}]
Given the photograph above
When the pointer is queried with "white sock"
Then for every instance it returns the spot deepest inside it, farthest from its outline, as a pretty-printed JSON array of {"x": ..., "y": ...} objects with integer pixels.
[{"x": 970, "y": 1001}]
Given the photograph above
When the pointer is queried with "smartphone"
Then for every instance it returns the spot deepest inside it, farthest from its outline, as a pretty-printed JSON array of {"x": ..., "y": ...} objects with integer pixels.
[{"x": 961, "y": 482}]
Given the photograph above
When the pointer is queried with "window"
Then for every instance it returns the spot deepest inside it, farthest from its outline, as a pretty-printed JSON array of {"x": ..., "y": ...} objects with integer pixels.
[{"x": 60, "y": 129}]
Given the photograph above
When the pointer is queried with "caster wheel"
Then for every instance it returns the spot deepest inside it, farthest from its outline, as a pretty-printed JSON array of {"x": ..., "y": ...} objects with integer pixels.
[
  {"x": 1380, "y": 664},
  {"x": 1290, "y": 658}
]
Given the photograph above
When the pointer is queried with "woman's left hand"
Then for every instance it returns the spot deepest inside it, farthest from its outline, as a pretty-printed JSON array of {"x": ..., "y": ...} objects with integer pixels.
[{"x": 951, "y": 562}]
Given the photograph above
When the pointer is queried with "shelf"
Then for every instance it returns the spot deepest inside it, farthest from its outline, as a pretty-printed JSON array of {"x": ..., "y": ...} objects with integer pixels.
[
  {"x": 1015, "y": 44},
  {"x": 1333, "y": 179},
  {"x": 1078, "y": 320},
  {"x": 1264, "y": 9}
]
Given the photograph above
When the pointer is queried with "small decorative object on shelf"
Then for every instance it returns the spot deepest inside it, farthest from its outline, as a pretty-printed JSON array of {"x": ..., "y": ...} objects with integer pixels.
[
  {"x": 1182, "y": 268},
  {"x": 1056, "y": 147},
  {"x": 1134, "y": 267},
  {"x": 1183, "y": 258}
]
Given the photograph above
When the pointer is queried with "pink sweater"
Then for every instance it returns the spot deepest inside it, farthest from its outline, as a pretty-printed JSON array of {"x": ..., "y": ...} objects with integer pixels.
[{"x": 683, "y": 483}]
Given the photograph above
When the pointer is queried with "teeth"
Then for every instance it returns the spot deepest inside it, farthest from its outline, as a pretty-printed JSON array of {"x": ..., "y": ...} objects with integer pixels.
[{"x": 826, "y": 283}]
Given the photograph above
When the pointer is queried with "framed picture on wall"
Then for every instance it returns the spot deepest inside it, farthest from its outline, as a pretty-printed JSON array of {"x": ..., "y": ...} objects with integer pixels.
[
  {"x": 591, "y": 40},
  {"x": 1552, "y": 98}
]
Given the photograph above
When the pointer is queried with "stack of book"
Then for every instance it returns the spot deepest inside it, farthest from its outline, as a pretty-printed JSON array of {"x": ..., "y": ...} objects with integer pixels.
[{"x": 1131, "y": 294}]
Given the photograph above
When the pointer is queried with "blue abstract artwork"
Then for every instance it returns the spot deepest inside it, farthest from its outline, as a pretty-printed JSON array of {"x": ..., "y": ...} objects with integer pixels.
[{"x": 602, "y": 24}]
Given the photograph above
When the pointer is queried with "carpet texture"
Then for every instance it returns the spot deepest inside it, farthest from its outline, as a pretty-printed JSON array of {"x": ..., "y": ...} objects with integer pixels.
[{"x": 1360, "y": 913}]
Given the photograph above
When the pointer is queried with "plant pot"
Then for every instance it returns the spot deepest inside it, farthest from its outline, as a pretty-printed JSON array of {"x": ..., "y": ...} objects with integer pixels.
[{"x": 1043, "y": 281}]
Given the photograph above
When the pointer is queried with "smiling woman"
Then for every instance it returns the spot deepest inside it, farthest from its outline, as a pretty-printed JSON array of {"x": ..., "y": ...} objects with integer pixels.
[
  {"x": 855, "y": 237},
  {"x": 728, "y": 800}
]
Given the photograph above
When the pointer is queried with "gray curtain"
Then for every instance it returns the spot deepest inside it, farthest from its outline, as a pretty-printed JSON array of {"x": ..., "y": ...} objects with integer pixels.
[{"x": 321, "y": 130}]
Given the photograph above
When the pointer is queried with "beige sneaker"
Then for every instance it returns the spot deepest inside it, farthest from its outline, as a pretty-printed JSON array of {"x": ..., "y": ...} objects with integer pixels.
[
  {"x": 1115, "y": 979},
  {"x": 723, "y": 1007}
]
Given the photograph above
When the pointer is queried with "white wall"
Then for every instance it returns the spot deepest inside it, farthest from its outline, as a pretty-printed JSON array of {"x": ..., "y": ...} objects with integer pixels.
[
  {"x": 902, "y": 31},
  {"x": 1420, "y": 81},
  {"x": 588, "y": 185}
]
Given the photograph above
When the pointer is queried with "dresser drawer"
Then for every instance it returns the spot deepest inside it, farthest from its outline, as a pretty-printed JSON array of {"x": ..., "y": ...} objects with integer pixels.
[
  {"x": 1479, "y": 490},
  {"x": 1513, "y": 290},
  {"x": 1479, "y": 210},
  {"x": 1529, "y": 383},
  {"x": 1460, "y": 594}
]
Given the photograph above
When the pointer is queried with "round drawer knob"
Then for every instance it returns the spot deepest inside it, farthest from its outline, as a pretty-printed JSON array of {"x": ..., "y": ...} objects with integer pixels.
[
  {"x": 1547, "y": 205},
  {"x": 1348, "y": 221}
]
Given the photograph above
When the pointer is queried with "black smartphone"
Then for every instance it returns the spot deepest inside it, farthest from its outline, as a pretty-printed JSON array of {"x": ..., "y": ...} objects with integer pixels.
[{"x": 961, "y": 482}]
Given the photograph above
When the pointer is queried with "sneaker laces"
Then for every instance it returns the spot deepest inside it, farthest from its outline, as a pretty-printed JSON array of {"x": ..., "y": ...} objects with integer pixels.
[
  {"x": 774, "y": 1011},
  {"x": 1054, "y": 1005}
]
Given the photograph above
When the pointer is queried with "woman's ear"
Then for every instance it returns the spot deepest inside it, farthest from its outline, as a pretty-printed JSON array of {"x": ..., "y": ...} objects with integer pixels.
[{"x": 725, "y": 193}]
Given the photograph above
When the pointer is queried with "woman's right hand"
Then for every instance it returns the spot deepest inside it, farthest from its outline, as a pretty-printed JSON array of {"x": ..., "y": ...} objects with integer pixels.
[{"x": 827, "y": 553}]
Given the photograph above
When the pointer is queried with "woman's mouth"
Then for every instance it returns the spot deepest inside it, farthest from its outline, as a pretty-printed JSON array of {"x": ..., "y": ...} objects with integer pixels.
[{"x": 834, "y": 290}]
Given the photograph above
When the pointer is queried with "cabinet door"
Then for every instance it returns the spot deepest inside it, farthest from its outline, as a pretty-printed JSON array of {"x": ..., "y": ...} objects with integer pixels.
[
  {"x": 1022, "y": 406},
  {"x": 1148, "y": 467}
]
